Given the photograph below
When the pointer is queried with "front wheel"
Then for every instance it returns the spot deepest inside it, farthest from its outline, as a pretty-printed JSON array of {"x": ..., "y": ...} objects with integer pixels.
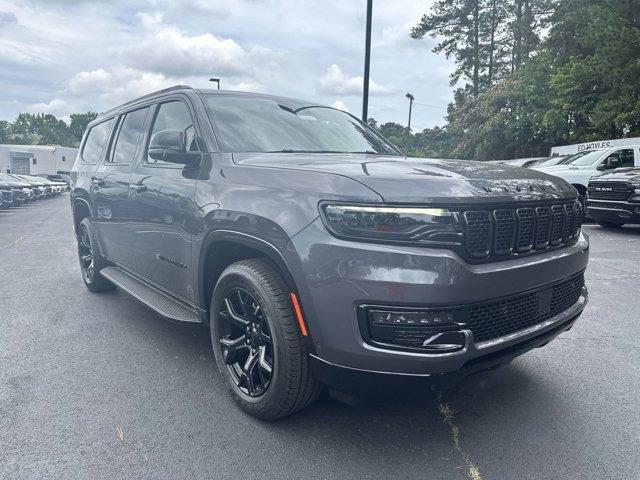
[
  {"x": 258, "y": 346},
  {"x": 91, "y": 262},
  {"x": 610, "y": 224}
]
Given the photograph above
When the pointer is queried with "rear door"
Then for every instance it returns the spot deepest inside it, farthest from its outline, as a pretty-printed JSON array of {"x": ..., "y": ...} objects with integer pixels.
[
  {"x": 110, "y": 188},
  {"x": 163, "y": 201}
]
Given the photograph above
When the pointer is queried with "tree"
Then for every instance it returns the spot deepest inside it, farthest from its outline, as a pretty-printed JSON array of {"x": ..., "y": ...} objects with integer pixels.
[
  {"x": 78, "y": 124},
  {"x": 580, "y": 83},
  {"x": 42, "y": 129},
  {"x": 488, "y": 39},
  {"x": 457, "y": 24},
  {"x": 4, "y": 131},
  {"x": 527, "y": 18}
]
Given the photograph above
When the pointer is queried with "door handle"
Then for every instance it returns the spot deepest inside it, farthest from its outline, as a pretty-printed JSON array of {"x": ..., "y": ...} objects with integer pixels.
[
  {"x": 98, "y": 182},
  {"x": 137, "y": 187}
]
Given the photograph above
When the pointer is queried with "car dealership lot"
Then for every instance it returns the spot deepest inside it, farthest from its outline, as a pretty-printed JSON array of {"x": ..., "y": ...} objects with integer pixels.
[{"x": 96, "y": 386}]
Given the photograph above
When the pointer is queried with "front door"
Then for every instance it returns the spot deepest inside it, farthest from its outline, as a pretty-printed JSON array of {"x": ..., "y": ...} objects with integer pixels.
[
  {"x": 163, "y": 202},
  {"x": 110, "y": 185}
]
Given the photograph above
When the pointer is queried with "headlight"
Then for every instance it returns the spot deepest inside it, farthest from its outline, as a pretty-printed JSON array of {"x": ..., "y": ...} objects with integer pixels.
[{"x": 413, "y": 225}]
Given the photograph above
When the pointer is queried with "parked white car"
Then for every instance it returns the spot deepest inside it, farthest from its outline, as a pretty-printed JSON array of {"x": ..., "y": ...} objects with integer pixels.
[{"x": 580, "y": 170}]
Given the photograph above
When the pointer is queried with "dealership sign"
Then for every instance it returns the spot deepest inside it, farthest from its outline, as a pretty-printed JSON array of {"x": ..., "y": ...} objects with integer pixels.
[{"x": 585, "y": 147}]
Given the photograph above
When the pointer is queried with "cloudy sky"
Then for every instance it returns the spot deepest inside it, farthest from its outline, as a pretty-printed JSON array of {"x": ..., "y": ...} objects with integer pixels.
[{"x": 65, "y": 56}]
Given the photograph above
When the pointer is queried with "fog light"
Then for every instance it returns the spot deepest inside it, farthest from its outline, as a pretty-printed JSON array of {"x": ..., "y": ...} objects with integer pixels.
[{"x": 434, "y": 318}]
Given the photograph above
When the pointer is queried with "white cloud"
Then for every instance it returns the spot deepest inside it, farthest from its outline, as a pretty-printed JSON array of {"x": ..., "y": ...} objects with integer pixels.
[
  {"x": 117, "y": 85},
  {"x": 335, "y": 81},
  {"x": 57, "y": 107},
  {"x": 340, "y": 105},
  {"x": 244, "y": 87},
  {"x": 168, "y": 50}
]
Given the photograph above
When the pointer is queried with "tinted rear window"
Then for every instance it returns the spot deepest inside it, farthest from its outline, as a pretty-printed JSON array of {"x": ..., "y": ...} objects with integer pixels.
[
  {"x": 96, "y": 141},
  {"x": 128, "y": 137}
]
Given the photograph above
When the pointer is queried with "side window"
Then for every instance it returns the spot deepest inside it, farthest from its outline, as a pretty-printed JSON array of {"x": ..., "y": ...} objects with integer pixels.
[
  {"x": 96, "y": 141},
  {"x": 174, "y": 116},
  {"x": 129, "y": 133},
  {"x": 626, "y": 158}
]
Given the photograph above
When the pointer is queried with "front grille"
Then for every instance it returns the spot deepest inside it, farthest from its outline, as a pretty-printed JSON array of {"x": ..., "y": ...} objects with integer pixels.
[
  {"x": 610, "y": 190},
  {"x": 502, "y": 317},
  {"x": 500, "y": 233}
]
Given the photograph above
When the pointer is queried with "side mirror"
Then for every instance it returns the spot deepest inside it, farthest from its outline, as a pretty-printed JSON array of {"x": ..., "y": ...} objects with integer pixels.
[
  {"x": 171, "y": 146},
  {"x": 612, "y": 162}
]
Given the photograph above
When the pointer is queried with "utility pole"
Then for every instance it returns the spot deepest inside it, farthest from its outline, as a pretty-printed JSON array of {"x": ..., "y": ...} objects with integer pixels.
[
  {"x": 410, "y": 97},
  {"x": 367, "y": 61},
  {"x": 217, "y": 80}
]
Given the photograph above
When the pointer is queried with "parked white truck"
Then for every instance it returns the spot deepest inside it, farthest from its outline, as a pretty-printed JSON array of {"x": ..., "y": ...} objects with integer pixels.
[{"x": 579, "y": 171}]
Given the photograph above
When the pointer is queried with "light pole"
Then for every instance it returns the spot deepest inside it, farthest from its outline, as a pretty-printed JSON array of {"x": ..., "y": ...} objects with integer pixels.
[
  {"x": 217, "y": 80},
  {"x": 367, "y": 58},
  {"x": 410, "y": 97}
]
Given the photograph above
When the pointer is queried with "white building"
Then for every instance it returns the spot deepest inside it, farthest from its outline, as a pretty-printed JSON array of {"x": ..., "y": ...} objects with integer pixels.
[
  {"x": 36, "y": 159},
  {"x": 583, "y": 147}
]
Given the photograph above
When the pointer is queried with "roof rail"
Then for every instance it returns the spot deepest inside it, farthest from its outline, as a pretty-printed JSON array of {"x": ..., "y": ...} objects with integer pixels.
[{"x": 152, "y": 94}]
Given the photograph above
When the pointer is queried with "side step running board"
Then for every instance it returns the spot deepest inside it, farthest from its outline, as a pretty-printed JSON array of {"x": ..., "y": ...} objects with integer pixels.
[{"x": 150, "y": 296}]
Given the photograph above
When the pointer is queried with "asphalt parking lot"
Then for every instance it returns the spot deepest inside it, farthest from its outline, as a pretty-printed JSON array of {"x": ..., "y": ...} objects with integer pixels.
[{"x": 98, "y": 386}]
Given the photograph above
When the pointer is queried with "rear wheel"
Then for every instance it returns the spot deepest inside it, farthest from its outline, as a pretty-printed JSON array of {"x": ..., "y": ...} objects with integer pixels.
[
  {"x": 611, "y": 224},
  {"x": 91, "y": 262},
  {"x": 259, "y": 350}
]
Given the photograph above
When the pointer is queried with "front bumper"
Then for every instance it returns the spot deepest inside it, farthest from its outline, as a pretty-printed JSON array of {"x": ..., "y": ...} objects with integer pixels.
[
  {"x": 19, "y": 197},
  {"x": 6, "y": 198},
  {"x": 356, "y": 381},
  {"x": 614, "y": 211},
  {"x": 339, "y": 276}
]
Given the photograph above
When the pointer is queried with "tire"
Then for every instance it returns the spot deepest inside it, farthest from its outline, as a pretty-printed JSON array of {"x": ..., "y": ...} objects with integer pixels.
[
  {"x": 610, "y": 224},
  {"x": 582, "y": 198},
  {"x": 289, "y": 386},
  {"x": 91, "y": 261}
]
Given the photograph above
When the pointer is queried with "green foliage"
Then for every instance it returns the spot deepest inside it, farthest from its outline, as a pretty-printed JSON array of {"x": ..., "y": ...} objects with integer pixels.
[
  {"x": 45, "y": 129},
  {"x": 4, "y": 131},
  {"x": 488, "y": 39},
  {"x": 79, "y": 122}
]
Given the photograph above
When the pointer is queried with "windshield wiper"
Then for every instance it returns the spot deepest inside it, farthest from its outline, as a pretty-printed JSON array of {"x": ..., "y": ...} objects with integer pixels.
[
  {"x": 292, "y": 150},
  {"x": 371, "y": 152}
]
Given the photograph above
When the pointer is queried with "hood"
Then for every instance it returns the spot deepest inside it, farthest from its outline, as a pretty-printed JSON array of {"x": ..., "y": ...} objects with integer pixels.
[
  {"x": 631, "y": 175},
  {"x": 16, "y": 183},
  {"x": 419, "y": 180}
]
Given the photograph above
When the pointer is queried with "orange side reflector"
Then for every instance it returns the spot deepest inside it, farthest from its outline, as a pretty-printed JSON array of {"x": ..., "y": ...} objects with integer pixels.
[{"x": 298, "y": 312}]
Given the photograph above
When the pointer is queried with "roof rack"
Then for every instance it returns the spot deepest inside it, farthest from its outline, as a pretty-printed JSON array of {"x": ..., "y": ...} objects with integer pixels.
[{"x": 144, "y": 97}]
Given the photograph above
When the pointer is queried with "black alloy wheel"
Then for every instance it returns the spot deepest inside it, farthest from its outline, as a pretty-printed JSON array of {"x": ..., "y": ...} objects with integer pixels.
[
  {"x": 247, "y": 346},
  {"x": 85, "y": 252},
  {"x": 259, "y": 347},
  {"x": 91, "y": 261}
]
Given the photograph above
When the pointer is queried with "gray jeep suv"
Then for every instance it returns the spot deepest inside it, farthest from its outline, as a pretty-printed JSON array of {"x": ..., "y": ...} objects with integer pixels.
[{"x": 316, "y": 253}]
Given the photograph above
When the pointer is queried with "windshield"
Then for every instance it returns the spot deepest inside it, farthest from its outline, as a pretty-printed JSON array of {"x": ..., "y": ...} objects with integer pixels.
[
  {"x": 571, "y": 158},
  {"x": 549, "y": 161},
  {"x": 249, "y": 124},
  {"x": 587, "y": 159}
]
